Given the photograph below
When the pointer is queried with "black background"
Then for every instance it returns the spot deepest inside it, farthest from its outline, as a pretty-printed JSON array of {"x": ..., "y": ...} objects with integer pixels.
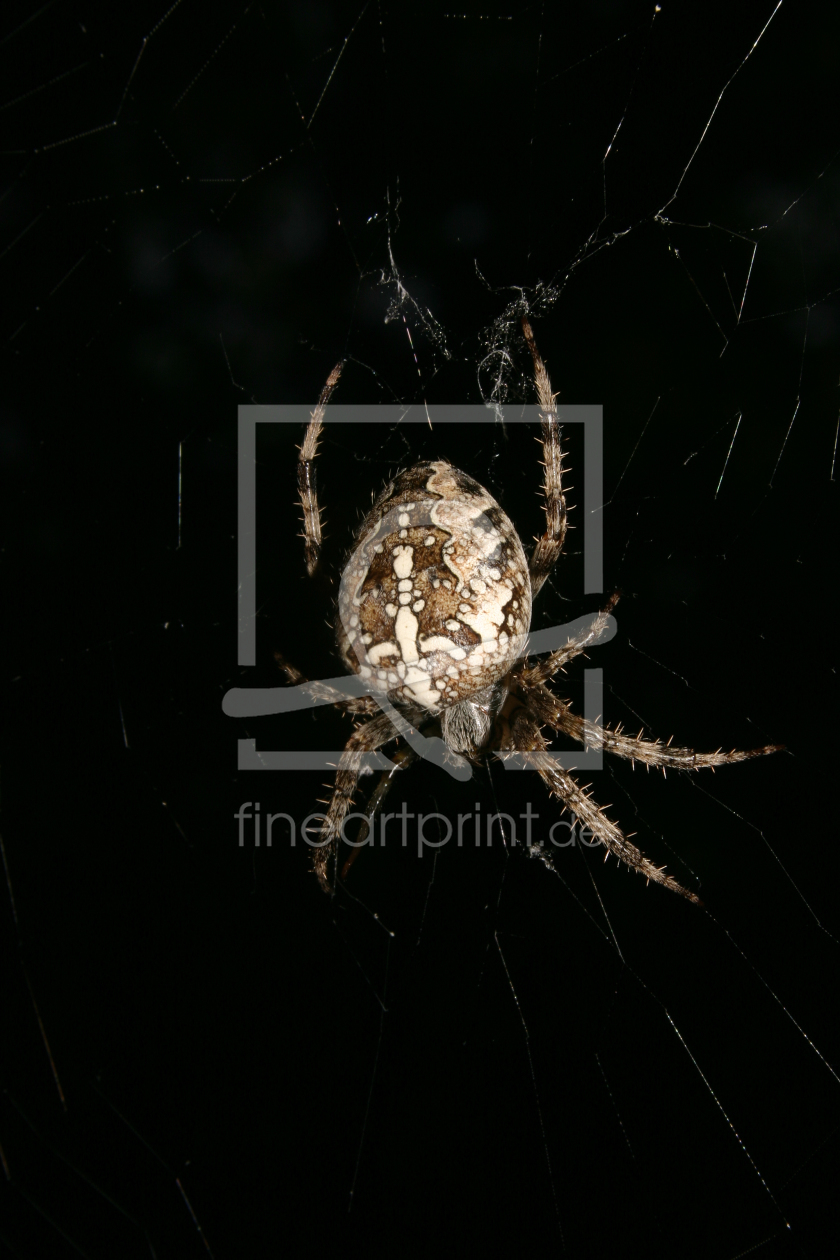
[{"x": 463, "y": 1052}]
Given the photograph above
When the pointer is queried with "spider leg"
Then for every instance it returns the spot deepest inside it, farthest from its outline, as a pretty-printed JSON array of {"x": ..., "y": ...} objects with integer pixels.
[
  {"x": 531, "y": 675},
  {"x": 340, "y": 802},
  {"x": 323, "y": 691},
  {"x": 651, "y": 752},
  {"x": 526, "y": 738},
  {"x": 550, "y": 544},
  {"x": 367, "y": 738},
  {"x": 306, "y": 477},
  {"x": 402, "y": 759}
]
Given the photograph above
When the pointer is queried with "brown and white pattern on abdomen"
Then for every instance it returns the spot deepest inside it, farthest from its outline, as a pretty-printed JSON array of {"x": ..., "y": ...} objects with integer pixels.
[{"x": 435, "y": 600}]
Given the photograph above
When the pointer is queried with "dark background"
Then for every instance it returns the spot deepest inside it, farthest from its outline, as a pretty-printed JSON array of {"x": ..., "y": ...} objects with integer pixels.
[{"x": 465, "y": 1052}]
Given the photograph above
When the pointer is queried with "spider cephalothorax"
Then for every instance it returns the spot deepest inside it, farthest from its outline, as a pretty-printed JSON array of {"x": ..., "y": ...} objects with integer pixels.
[{"x": 434, "y": 610}]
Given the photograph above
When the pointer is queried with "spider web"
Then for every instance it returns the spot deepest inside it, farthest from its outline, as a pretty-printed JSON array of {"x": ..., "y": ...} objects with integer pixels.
[{"x": 202, "y": 1055}]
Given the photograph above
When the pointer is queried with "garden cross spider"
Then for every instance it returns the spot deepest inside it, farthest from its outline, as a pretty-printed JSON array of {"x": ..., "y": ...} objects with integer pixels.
[{"x": 434, "y": 611}]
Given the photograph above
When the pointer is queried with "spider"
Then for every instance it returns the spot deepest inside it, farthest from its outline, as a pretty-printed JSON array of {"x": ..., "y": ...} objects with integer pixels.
[{"x": 434, "y": 609}]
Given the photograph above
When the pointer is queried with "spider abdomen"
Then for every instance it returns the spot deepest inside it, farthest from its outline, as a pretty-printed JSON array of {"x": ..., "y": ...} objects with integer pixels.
[{"x": 435, "y": 599}]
